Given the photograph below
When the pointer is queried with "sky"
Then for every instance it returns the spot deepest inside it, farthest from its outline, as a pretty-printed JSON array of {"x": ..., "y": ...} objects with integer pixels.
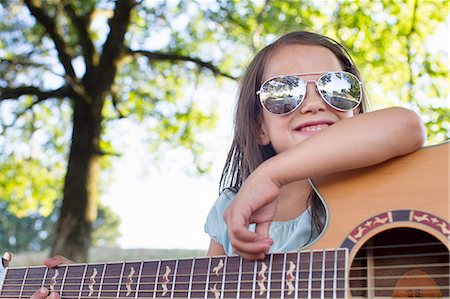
[{"x": 165, "y": 206}]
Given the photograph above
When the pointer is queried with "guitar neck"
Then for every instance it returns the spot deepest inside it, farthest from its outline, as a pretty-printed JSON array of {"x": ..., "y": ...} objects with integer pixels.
[{"x": 306, "y": 274}]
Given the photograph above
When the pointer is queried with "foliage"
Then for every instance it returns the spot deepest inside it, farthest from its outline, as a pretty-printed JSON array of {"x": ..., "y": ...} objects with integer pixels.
[{"x": 33, "y": 232}]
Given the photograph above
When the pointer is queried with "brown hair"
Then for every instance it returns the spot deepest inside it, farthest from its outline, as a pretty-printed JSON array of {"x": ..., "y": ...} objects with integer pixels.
[{"x": 246, "y": 154}]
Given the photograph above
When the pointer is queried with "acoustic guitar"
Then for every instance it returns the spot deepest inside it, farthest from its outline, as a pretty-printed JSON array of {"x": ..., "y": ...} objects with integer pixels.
[{"x": 387, "y": 236}]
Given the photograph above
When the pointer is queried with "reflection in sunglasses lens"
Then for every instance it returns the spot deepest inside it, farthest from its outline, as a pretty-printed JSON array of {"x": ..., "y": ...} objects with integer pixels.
[
  {"x": 341, "y": 90},
  {"x": 283, "y": 94}
]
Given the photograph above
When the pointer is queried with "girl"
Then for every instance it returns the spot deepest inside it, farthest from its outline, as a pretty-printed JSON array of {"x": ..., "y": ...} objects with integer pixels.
[{"x": 300, "y": 114}]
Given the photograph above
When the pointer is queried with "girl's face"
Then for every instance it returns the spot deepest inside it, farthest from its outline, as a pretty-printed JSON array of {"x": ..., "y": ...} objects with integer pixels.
[{"x": 313, "y": 115}]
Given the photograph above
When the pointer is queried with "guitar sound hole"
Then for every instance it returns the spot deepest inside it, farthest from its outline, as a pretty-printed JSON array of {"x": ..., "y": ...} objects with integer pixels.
[{"x": 401, "y": 263}]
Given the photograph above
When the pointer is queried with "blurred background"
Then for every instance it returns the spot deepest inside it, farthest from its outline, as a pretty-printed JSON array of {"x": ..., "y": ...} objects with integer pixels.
[{"x": 116, "y": 116}]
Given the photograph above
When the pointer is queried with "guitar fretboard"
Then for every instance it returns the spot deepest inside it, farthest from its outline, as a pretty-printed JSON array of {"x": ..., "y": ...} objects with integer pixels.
[{"x": 306, "y": 274}]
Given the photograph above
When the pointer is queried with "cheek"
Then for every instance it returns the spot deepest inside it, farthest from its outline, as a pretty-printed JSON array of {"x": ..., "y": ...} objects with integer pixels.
[{"x": 348, "y": 114}]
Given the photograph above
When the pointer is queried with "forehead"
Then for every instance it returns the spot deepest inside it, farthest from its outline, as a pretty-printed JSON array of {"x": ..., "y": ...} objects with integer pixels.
[{"x": 296, "y": 58}]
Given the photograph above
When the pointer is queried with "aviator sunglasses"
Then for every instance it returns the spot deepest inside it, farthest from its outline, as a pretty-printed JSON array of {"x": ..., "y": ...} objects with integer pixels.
[{"x": 283, "y": 94}]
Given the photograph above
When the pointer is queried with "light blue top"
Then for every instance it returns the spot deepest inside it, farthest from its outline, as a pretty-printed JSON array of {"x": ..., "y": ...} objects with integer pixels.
[{"x": 287, "y": 236}]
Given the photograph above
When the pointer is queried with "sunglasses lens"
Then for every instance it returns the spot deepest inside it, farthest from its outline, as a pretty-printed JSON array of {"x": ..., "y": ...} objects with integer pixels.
[
  {"x": 341, "y": 90},
  {"x": 282, "y": 94}
]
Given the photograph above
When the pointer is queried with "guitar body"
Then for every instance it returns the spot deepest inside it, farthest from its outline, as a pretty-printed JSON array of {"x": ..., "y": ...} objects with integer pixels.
[
  {"x": 387, "y": 236},
  {"x": 394, "y": 220}
]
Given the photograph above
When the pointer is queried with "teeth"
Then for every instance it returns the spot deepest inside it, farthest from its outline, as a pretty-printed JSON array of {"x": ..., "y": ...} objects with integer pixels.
[{"x": 314, "y": 128}]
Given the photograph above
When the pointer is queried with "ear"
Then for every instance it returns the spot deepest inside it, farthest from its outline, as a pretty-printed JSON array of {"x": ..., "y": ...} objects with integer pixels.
[{"x": 264, "y": 138}]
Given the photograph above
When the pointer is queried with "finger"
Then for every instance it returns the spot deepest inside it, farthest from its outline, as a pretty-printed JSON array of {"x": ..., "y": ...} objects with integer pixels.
[
  {"x": 262, "y": 229},
  {"x": 249, "y": 256},
  {"x": 252, "y": 250},
  {"x": 40, "y": 294},
  {"x": 56, "y": 261},
  {"x": 53, "y": 295},
  {"x": 238, "y": 227}
]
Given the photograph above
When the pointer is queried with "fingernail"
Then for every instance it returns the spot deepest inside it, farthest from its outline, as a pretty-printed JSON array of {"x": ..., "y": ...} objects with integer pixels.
[
  {"x": 53, "y": 295},
  {"x": 43, "y": 291}
]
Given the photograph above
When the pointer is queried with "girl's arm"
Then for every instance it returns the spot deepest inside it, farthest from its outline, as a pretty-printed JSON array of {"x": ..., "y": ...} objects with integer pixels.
[
  {"x": 360, "y": 141},
  {"x": 215, "y": 249}
]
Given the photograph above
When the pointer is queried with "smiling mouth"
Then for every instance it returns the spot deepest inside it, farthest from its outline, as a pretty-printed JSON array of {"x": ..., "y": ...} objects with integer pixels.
[{"x": 313, "y": 128}]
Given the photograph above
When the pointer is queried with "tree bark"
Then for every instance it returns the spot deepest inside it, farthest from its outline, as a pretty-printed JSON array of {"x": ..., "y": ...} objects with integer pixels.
[
  {"x": 79, "y": 206},
  {"x": 80, "y": 199}
]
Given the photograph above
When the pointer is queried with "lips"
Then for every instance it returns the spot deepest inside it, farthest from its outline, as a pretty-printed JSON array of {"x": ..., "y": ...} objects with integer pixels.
[{"x": 313, "y": 126}]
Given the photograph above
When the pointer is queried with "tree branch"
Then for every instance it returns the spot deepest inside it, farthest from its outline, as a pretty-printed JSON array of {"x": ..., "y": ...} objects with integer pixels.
[
  {"x": 49, "y": 24},
  {"x": 113, "y": 47},
  {"x": 24, "y": 62},
  {"x": 81, "y": 25},
  {"x": 15, "y": 93},
  {"x": 156, "y": 55}
]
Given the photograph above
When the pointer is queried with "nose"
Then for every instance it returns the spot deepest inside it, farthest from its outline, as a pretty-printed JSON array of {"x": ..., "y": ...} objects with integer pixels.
[{"x": 313, "y": 102}]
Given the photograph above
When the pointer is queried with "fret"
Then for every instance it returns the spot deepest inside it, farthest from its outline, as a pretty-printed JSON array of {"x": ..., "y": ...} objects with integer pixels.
[
  {"x": 247, "y": 272},
  {"x": 239, "y": 279},
  {"x": 100, "y": 287},
  {"x": 255, "y": 271},
  {"x": 43, "y": 277},
  {"x": 303, "y": 274},
  {"x": 183, "y": 280},
  {"x": 230, "y": 283},
  {"x": 215, "y": 277},
  {"x": 141, "y": 266},
  {"x": 341, "y": 264},
  {"x": 329, "y": 274},
  {"x": 207, "y": 278},
  {"x": 200, "y": 278},
  {"x": 316, "y": 273},
  {"x": 24, "y": 282},
  {"x": 155, "y": 287},
  {"x": 110, "y": 280},
  {"x": 275, "y": 276},
  {"x": 269, "y": 275},
  {"x": 11, "y": 284},
  {"x": 224, "y": 273},
  {"x": 54, "y": 278},
  {"x": 129, "y": 280},
  {"x": 164, "y": 283},
  {"x": 64, "y": 280},
  {"x": 33, "y": 281},
  {"x": 149, "y": 275},
  {"x": 322, "y": 277},
  {"x": 297, "y": 276},
  {"x": 120, "y": 280},
  {"x": 190, "y": 278},
  {"x": 283, "y": 275},
  {"x": 72, "y": 281},
  {"x": 83, "y": 279},
  {"x": 92, "y": 280}
]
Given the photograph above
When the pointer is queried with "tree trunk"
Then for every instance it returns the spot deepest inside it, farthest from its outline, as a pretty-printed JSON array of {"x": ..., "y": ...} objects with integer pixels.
[{"x": 79, "y": 205}]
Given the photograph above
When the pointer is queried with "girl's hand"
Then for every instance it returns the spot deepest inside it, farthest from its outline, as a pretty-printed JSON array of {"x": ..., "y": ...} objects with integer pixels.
[
  {"x": 52, "y": 262},
  {"x": 254, "y": 203}
]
